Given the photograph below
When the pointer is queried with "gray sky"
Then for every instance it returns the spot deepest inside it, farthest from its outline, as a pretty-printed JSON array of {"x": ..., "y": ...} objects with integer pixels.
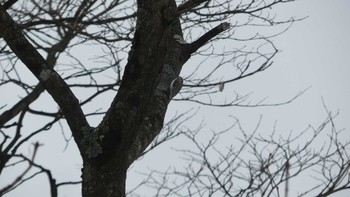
[{"x": 314, "y": 54}]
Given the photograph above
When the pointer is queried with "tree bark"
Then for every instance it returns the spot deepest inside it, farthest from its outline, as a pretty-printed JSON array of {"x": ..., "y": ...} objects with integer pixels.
[
  {"x": 103, "y": 178},
  {"x": 137, "y": 113}
]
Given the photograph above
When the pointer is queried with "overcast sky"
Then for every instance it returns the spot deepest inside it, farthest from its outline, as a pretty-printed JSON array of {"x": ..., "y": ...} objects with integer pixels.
[{"x": 315, "y": 53}]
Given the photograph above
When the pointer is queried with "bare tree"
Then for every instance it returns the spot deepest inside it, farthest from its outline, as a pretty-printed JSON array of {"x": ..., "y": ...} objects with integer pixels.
[
  {"x": 138, "y": 50},
  {"x": 259, "y": 165}
]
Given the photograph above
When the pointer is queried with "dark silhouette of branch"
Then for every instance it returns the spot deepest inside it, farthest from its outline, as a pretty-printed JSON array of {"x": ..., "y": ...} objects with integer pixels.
[
  {"x": 135, "y": 50},
  {"x": 52, "y": 181},
  {"x": 52, "y": 82},
  {"x": 264, "y": 172},
  {"x": 9, "y": 3},
  {"x": 188, "y": 6},
  {"x": 5, "y": 156},
  {"x": 9, "y": 114},
  {"x": 20, "y": 177},
  {"x": 207, "y": 36}
]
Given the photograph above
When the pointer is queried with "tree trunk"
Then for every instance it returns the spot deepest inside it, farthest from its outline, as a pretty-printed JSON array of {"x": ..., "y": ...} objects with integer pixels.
[
  {"x": 136, "y": 115},
  {"x": 103, "y": 179}
]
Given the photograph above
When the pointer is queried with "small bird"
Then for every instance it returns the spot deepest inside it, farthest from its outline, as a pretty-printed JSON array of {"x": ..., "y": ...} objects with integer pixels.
[{"x": 175, "y": 87}]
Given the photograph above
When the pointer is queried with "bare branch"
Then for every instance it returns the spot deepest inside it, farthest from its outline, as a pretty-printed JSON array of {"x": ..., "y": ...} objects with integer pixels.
[
  {"x": 53, "y": 83},
  {"x": 20, "y": 177},
  {"x": 207, "y": 36},
  {"x": 188, "y": 5},
  {"x": 9, "y": 3}
]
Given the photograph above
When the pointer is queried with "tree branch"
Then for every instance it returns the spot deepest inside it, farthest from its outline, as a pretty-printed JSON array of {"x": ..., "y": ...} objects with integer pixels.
[
  {"x": 188, "y": 5},
  {"x": 48, "y": 77},
  {"x": 9, "y": 3},
  {"x": 194, "y": 46},
  {"x": 20, "y": 177},
  {"x": 52, "y": 56},
  {"x": 11, "y": 113}
]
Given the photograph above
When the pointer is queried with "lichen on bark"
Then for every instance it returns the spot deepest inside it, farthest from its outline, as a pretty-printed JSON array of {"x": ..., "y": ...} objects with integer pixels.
[{"x": 92, "y": 142}]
